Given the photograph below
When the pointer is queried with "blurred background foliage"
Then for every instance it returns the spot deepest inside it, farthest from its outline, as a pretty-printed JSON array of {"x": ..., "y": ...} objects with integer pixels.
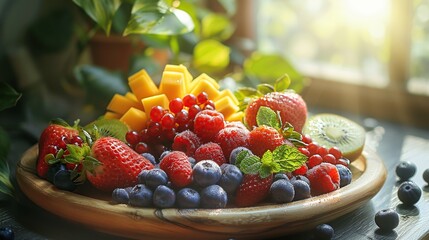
[{"x": 72, "y": 56}]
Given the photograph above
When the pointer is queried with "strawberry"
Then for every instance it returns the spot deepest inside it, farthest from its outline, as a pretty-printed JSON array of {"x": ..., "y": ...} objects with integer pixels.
[
  {"x": 178, "y": 168},
  {"x": 120, "y": 165},
  {"x": 252, "y": 190},
  {"x": 290, "y": 105},
  {"x": 54, "y": 137},
  {"x": 264, "y": 138}
]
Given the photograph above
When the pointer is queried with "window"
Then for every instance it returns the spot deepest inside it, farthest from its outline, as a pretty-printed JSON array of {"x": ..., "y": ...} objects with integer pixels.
[{"x": 367, "y": 57}]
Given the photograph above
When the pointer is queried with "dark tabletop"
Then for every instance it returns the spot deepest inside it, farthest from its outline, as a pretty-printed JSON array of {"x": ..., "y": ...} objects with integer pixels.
[{"x": 392, "y": 142}]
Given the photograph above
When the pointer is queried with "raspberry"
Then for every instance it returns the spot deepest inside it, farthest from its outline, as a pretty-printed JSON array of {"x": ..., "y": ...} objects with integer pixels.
[
  {"x": 264, "y": 138},
  {"x": 178, "y": 168},
  {"x": 207, "y": 124},
  {"x": 323, "y": 178},
  {"x": 235, "y": 124},
  {"x": 210, "y": 151},
  {"x": 187, "y": 142},
  {"x": 231, "y": 138}
]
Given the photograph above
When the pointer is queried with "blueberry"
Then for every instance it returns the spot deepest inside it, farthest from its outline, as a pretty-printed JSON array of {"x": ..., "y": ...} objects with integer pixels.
[
  {"x": 405, "y": 170},
  {"x": 231, "y": 178},
  {"x": 234, "y": 153},
  {"x": 281, "y": 191},
  {"x": 141, "y": 178},
  {"x": 324, "y": 232},
  {"x": 7, "y": 233},
  {"x": 300, "y": 177},
  {"x": 163, "y": 154},
  {"x": 409, "y": 193},
  {"x": 120, "y": 195},
  {"x": 302, "y": 190},
  {"x": 213, "y": 197},
  {"x": 164, "y": 197},
  {"x": 149, "y": 157},
  {"x": 63, "y": 181},
  {"x": 279, "y": 176},
  {"x": 192, "y": 161},
  {"x": 206, "y": 173},
  {"x": 387, "y": 219},
  {"x": 140, "y": 196},
  {"x": 53, "y": 169},
  {"x": 188, "y": 198},
  {"x": 345, "y": 175},
  {"x": 156, "y": 177},
  {"x": 426, "y": 175}
]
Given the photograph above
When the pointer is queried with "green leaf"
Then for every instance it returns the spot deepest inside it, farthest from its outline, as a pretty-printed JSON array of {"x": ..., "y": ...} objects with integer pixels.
[
  {"x": 267, "y": 158},
  {"x": 155, "y": 17},
  {"x": 250, "y": 164},
  {"x": 77, "y": 153},
  {"x": 229, "y": 6},
  {"x": 8, "y": 96},
  {"x": 282, "y": 83},
  {"x": 265, "y": 88},
  {"x": 240, "y": 156},
  {"x": 6, "y": 186},
  {"x": 266, "y": 116},
  {"x": 101, "y": 11},
  {"x": 216, "y": 26},
  {"x": 211, "y": 56},
  {"x": 289, "y": 158},
  {"x": 265, "y": 171}
]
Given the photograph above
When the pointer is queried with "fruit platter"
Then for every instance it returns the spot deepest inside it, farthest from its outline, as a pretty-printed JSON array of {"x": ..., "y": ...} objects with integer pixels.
[{"x": 188, "y": 159}]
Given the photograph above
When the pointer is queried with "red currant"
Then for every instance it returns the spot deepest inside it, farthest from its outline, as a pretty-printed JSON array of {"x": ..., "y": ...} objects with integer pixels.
[
  {"x": 322, "y": 151},
  {"x": 154, "y": 129},
  {"x": 144, "y": 136},
  {"x": 202, "y": 98},
  {"x": 306, "y": 139},
  {"x": 336, "y": 152},
  {"x": 181, "y": 117},
  {"x": 329, "y": 158},
  {"x": 156, "y": 113},
  {"x": 189, "y": 100},
  {"x": 132, "y": 137},
  {"x": 167, "y": 121},
  {"x": 312, "y": 147},
  {"x": 141, "y": 147},
  {"x": 210, "y": 103},
  {"x": 169, "y": 134},
  {"x": 304, "y": 151},
  {"x": 176, "y": 105},
  {"x": 314, "y": 160},
  {"x": 193, "y": 110}
]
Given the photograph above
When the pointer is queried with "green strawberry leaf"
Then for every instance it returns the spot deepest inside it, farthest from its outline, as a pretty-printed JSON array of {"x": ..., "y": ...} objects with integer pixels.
[
  {"x": 250, "y": 164},
  {"x": 282, "y": 83},
  {"x": 76, "y": 153},
  {"x": 266, "y": 116},
  {"x": 289, "y": 158},
  {"x": 90, "y": 163},
  {"x": 264, "y": 88}
]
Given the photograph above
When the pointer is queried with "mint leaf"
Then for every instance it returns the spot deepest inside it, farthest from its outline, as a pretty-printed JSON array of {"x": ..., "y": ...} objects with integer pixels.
[
  {"x": 265, "y": 171},
  {"x": 264, "y": 88},
  {"x": 282, "y": 83},
  {"x": 289, "y": 158},
  {"x": 269, "y": 166},
  {"x": 241, "y": 155},
  {"x": 250, "y": 164},
  {"x": 266, "y": 116},
  {"x": 267, "y": 158}
]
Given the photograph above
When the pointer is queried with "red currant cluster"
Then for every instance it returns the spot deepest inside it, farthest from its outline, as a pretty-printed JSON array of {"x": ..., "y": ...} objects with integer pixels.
[
  {"x": 165, "y": 123},
  {"x": 317, "y": 154}
]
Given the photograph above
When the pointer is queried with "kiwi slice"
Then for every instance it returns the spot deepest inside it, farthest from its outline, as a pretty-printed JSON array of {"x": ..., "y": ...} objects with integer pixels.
[
  {"x": 330, "y": 130},
  {"x": 107, "y": 127}
]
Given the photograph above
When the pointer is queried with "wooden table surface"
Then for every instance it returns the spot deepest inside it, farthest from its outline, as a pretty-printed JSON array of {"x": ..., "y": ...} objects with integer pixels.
[{"x": 392, "y": 142}]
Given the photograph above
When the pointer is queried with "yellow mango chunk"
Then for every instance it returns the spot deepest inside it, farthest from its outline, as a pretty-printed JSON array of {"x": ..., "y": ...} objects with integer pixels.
[
  {"x": 227, "y": 93},
  {"x": 142, "y": 85},
  {"x": 112, "y": 115},
  {"x": 173, "y": 85},
  {"x": 135, "y": 119},
  {"x": 206, "y": 77},
  {"x": 226, "y": 106},
  {"x": 205, "y": 85},
  {"x": 120, "y": 104},
  {"x": 181, "y": 69},
  {"x": 238, "y": 116},
  {"x": 133, "y": 98},
  {"x": 157, "y": 100}
]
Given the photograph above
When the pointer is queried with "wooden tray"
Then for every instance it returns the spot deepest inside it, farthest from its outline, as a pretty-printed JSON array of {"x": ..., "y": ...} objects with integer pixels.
[{"x": 96, "y": 211}]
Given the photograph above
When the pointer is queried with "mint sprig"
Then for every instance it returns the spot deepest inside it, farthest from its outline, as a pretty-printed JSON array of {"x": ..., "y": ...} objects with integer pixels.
[{"x": 284, "y": 158}]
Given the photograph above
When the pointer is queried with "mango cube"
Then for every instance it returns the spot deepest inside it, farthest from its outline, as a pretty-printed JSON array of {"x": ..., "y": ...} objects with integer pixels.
[
  {"x": 173, "y": 85},
  {"x": 157, "y": 100},
  {"x": 135, "y": 119},
  {"x": 226, "y": 106},
  {"x": 206, "y": 77},
  {"x": 181, "y": 69},
  {"x": 142, "y": 85},
  {"x": 238, "y": 116},
  {"x": 120, "y": 104},
  {"x": 227, "y": 93},
  {"x": 112, "y": 115},
  {"x": 205, "y": 85}
]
